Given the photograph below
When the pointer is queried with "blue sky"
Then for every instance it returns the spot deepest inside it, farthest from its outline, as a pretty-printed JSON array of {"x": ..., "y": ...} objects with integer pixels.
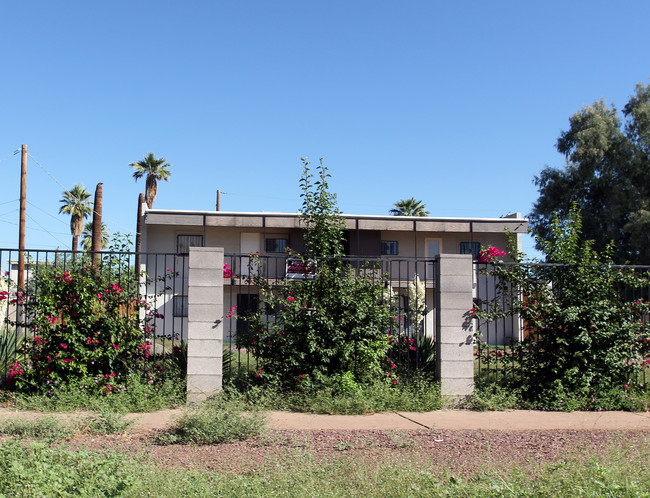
[{"x": 458, "y": 104}]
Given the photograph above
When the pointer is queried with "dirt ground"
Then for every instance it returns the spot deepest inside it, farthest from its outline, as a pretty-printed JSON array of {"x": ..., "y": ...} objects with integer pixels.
[
  {"x": 461, "y": 442},
  {"x": 460, "y": 452}
]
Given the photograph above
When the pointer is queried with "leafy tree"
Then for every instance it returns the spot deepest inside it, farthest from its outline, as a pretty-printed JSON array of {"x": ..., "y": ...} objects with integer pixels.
[
  {"x": 409, "y": 207},
  {"x": 155, "y": 169},
  {"x": 607, "y": 175},
  {"x": 76, "y": 203},
  {"x": 87, "y": 236}
]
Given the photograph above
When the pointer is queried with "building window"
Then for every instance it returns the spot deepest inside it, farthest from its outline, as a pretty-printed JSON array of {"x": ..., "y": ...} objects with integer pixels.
[
  {"x": 389, "y": 247},
  {"x": 184, "y": 242},
  {"x": 180, "y": 306},
  {"x": 276, "y": 245},
  {"x": 472, "y": 248}
]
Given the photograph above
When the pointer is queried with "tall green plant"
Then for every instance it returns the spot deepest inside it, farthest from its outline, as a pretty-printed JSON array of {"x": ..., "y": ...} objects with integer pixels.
[
  {"x": 334, "y": 326},
  {"x": 584, "y": 337}
]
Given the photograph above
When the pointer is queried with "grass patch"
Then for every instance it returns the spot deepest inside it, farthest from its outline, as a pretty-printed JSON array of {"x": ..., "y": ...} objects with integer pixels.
[
  {"x": 372, "y": 398},
  {"x": 214, "y": 422},
  {"x": 37, "y": 470},
  {"x": 45, "y": 427},
  {"x": 138, "y": 397},
  {"x": 105, "y": 422}
]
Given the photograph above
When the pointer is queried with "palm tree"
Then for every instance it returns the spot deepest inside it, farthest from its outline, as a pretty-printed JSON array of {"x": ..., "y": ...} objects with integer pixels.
[
  {"x": 87, "y": 236},
  {"x": 409, "y": 207},
  {"x": 155, "y": 169},
  {"x": 76, "y": 203}
]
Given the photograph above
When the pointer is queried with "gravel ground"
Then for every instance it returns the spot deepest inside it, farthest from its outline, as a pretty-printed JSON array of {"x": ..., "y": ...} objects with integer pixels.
[{"x": 461, "y": 452}]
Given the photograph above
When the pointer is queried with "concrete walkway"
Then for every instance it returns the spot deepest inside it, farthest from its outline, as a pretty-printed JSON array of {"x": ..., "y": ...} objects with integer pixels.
[{"x": 515, "y": 420}]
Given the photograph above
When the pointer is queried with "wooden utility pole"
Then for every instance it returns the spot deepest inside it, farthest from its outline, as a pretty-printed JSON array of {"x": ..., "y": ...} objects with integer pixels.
[
  {"x": 218, "y": 200},
  {"x": 21, "y": 226}
]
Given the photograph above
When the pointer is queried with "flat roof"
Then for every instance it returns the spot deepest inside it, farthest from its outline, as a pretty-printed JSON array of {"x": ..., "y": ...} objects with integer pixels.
[{"x": 514, "y": 223}]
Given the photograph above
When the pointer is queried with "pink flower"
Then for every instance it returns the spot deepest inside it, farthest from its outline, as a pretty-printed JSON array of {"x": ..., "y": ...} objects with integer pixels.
[
  {"x": 291, "y": 299},
  {"x": 115, "y": 346},
  {"x": 64, "y": 346}
]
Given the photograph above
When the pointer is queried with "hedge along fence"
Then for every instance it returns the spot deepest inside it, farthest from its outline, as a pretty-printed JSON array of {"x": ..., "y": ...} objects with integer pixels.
[
  {"x": 582, "y": 326},
  {"x": 76, "y": 318},
  {"x": 282, "y": 314}
]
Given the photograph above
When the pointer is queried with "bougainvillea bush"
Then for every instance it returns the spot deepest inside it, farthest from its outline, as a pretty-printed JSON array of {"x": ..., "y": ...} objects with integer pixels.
[
  {"x": 86, "y": 323},
  {"x": 586, "y": 320}
]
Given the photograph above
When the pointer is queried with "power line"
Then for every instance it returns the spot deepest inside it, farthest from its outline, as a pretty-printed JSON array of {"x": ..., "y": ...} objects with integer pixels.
[
  {"x": 10, "y": 155},
  {"x": 50, "y": 215},
  {"x": 8, "y": 202},
  {"x": 47, "y": 172},
  {"x": 65, "y": 189},
  {"x": 46, "y": 230}
]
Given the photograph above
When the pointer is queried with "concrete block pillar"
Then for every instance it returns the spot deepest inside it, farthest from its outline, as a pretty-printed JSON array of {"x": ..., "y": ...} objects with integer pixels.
[
  {"x": 454, "y": 334},
  {"x": 204, "y": 323}
]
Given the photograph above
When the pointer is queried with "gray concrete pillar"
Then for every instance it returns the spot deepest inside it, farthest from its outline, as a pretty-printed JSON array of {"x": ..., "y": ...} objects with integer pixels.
[
  {"x": 454, "y": 334},
  {"x": 204, "y": 323}
]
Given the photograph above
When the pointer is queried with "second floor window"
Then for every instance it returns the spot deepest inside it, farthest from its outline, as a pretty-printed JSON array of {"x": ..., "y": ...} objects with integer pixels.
[
  {"x": 389, "y": 247},
  {"x": 472, "y": 248},
  {"x": 276, "y": 245}
]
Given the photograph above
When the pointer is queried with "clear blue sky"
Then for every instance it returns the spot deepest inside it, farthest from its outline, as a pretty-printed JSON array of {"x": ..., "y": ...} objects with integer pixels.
[{"x": 458, "y": 104}]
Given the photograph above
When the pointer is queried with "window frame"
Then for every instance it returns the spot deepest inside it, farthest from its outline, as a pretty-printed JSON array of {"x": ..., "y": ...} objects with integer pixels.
[
  {"x": 189, "y": 236},
  {"x": 385, "y": 244},
  {"x": 473, "y": 246},
  {"x": 275, "y": 241},
  {"x": 180, "y": 306}
]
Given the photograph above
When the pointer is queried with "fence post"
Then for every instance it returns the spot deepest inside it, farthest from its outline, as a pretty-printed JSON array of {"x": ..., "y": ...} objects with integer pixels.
[
  {"x": 454, "y": 335},
  {"x": 204, "y": 323}
]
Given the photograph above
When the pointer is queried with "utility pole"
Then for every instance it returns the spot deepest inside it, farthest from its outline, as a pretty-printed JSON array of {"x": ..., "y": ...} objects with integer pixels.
[
  {"x": 218, "y": 200},
  {"x": 21, "y": 226}
]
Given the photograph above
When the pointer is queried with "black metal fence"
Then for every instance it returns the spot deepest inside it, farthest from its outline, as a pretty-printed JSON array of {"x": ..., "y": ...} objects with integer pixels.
[
  {"x": 501, "y": 340},
  {"x": 155, "y": 295},
  {"x": 408, "y": 292}
]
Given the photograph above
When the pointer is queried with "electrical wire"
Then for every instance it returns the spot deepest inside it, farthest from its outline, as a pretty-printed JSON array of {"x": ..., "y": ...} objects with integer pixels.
[
  {"x": 65, "y": 189},
  {"x": 10, "y": 155},
  {"x": 47, "y": 231}
]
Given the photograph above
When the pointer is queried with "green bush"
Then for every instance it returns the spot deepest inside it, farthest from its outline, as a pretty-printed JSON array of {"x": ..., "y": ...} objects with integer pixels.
[
  {"x": 332, "y": 323},
  {"x": 586, "y": 340},
  {"x": 85, "y": 328}
]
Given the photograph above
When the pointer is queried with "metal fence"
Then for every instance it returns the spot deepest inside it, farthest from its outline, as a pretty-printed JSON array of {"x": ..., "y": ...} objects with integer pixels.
[
  {"x": 155, "y": 295},
  {"x": 501, "y": 342},
  {"x": 408, "y": 290}
]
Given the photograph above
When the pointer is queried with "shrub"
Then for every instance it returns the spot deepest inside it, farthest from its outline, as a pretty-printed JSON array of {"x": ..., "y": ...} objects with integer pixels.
[
  {"x": 86, "y": 326},
  {"x": 585, "y": 338},
  {"x": 334, "y": 324},
  {"x": 214, "y": 423}
]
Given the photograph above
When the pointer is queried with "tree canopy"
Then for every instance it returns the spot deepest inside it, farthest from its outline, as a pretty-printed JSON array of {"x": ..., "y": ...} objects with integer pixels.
[
  {"x": 607, "y": 175},
  {"x": 155, "y": 169},
  {"x": 409, "y": 207},
  {"x": 76, "y": 203}
]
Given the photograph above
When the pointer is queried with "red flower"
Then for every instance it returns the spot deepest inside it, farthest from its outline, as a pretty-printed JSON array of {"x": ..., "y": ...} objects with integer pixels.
[{"x": 115, "y": 346}]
